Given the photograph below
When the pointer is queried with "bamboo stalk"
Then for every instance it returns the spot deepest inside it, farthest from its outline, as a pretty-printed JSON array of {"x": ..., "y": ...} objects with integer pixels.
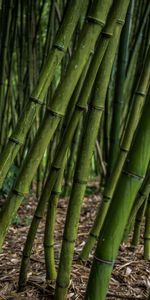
[
  {"x": 137, "y": 225},
  {"x": 118, "y": 103},
  {"x": 141, "y": 197}
]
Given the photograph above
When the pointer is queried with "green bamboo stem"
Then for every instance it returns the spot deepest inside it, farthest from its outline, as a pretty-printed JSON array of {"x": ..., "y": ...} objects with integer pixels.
[
  {"x": 4, "y": 120},
  {"x": 141, "y": 197},
  {"x": 110, "y": 237},
  {"x": 111, "y": 183},
  {"x": 118, "y": 102},
  {"x": 83, "y": 166},
  {"x": 72, "y": 160},
  {"x": 131, "y": 70},
  {"x": 3, "y": 58},
  {"x": 137, "y": 226},
  {"x": 49, "y": 228},
  {"x": 147, "y": 233},
  {"x": 37, "y": 97}
]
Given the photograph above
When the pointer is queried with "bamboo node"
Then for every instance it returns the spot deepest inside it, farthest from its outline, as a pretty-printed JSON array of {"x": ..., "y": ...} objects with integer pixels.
[
  {"x": 68, "y": 240},
  {"x": 48, "y": 246},
  {"x": 14, "y": 140},
  {"x": 59, "y": 47},
  {"x": 123, "y": 149},
  {"x": 36, "y": 100},
  {"x": 120, "y": 21},
  {"x": 78, "y": 181},
  {"x": 18, "y": 193},
  {"x": 95, "y": 107},
  {"x": 54, "y": 113},
  {"x": 134, "y": 176},
  {"x": 95, "y": 21},
  {"x": 140, "y": 93},
  {"x": 107, "y": 262},
  {"x": 65, "y": 286},
  {"x": 107, "y": 34},
  {"x": 94, "y": 235},
  {"x": 25, "y": 255},
  {"x": 55, "y": 193},
  {"x": 55, "y": 168},
  {"x": 106, "y": 198},
  {"x": 146, "y": 238},
  {"x": 82, "y": 108}
]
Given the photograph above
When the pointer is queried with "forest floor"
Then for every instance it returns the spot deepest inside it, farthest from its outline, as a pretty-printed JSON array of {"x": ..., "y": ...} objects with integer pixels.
[{"x": 130, "y": 277}]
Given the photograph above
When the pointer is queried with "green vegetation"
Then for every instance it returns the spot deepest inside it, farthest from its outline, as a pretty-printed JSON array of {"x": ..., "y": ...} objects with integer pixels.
[{"x": 75, "y": 107}]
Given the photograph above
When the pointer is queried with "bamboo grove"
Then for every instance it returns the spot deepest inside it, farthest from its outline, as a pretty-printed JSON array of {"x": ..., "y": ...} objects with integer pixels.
[{"x": 75, "y": 104}]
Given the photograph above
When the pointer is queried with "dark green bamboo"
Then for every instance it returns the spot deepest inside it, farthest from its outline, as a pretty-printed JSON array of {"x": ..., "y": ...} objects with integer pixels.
[
  {"x": 72, "y": 160},
  {"x": 137, "y": 226},
  {"x": 130, "y": 182},
  {"x": 118, "y": 102},
  {"x": 141, "y": 197},
  {"x": 132, "y": 66},
  {"x": 3, "y": 58},
  {"x": 138, "y": 102}
]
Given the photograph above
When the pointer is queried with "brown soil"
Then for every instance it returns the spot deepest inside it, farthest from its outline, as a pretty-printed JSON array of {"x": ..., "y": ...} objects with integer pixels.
[{"x": 131, "y": 274}]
